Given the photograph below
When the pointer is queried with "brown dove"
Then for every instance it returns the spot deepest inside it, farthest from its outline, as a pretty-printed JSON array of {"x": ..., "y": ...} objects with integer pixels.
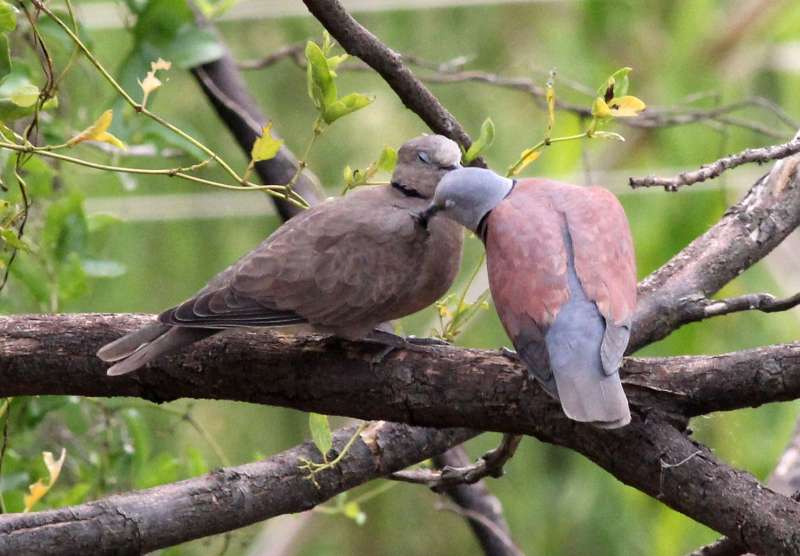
[{"x": 343, "y": 267}]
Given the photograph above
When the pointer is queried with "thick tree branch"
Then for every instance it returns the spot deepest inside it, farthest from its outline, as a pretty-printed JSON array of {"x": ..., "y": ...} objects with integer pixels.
[
  {"x": 142, "y": 521},
  {"x": 716, "y": 168},
  {"x": 446, "y": 387},
  {"x": 358, "y": 41},
  {"x": 224, "y": 86},
  {"x": 673, "y": 295},
  {"x": 442, "y": 386}
]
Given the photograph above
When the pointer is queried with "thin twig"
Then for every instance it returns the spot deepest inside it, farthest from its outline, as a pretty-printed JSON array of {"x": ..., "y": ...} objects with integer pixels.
[
  {"x": 763, "y": 302},
  {"x": 489, "y": 464},
  {"x": 451, "y": 72},
  {"x": 716, "y": 168}
]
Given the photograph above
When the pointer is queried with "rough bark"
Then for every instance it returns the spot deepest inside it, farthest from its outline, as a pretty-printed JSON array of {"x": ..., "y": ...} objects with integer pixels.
[
  {"x": 142, "y": 521},
  {"x": 440, "y": 386},
  {"x": 447, "y": 387},
  {"x": 672, "y": 296}
]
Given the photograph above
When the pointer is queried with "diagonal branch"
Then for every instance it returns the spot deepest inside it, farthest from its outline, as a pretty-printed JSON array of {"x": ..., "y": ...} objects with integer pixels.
[
  {"x": 358, "y": 41},
  {"x": 749, "y": 230},
  {"x": 134, "y": 523}
]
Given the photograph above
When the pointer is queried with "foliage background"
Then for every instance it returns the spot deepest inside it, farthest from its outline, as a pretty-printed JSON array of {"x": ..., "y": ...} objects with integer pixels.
[{"x": 556, "y": 502}]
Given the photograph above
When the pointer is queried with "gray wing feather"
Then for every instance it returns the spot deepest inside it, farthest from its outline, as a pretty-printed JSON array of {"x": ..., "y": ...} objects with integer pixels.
[
  {"x": 587, "y": 390},
  {"x": 532, "y": 350},
  {"x": 615, "y": 341}
]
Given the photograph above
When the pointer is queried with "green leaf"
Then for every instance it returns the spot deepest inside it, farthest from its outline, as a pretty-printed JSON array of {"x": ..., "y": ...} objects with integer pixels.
[
  {"x": 72, "y": 281},
  {"x": 321, "y": 88},
  {"x": 388, "y": 159},
  {"x": 192, "y": 47},
  {"x": 65, "y": 228},
  {"x": 160, "y": 20},
  {"x": 266, "y": 146},
  {"x": 484, "y": 141},
  {"x": 8, "y": 17},
  {"x": 320, "y": 432},
  {"x": 345, "y": 105},
  {"x": 15, "y": 93},
  {"x": 334, "y": 61},
  {"x": 103, "y": 269},
  {"x": 12, "y": 241},
  {"x": 5, "y": 58}
]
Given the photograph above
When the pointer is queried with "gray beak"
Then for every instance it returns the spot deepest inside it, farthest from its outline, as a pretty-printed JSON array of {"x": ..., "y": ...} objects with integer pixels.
[{"x": 424, "y": 216}]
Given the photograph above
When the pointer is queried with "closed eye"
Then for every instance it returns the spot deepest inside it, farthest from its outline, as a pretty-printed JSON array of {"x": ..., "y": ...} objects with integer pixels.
[{"x": 423, "y": 156}]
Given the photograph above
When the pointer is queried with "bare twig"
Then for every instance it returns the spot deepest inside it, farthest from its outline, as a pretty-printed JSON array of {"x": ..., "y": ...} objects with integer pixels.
[
  {"x": 490, "y": 464},
  {"x": 764, "y": 302},
  {"x": 451, "y": 72},
  {"x": 714, "y": 169}
]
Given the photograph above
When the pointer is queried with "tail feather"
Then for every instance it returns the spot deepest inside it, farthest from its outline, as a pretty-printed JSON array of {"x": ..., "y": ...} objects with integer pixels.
[
  {"x": 168, "y": 339},
  {"x": 126, "y": 345}
]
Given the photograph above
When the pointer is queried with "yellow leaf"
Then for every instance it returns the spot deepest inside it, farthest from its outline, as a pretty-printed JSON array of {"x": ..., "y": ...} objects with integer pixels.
[
  {"x": 600, "y": 109},
  {"x": 98, "y": 131},
  {"x": 266, "y": 146},
  {"x": 626, "y": 107},
  {"x": 40, "y": 488},
  {"x": 528, "y": 156},
  {"x": 550, "y": 95}
]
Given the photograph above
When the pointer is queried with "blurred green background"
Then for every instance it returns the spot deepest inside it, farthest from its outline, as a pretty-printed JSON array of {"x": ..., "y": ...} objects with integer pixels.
[{"x": 689, "y": 54}]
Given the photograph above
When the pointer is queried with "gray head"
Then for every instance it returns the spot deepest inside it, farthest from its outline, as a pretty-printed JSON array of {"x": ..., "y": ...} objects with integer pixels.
[
  {"x": 423, "y": 161},
  {"x": 467, "y": 195}
]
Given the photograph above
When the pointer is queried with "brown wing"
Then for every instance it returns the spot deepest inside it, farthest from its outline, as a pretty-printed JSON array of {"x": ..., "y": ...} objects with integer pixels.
[{"x": 334, "y": 266}]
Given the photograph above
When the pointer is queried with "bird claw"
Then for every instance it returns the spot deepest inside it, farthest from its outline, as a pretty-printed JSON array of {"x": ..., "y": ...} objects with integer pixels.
[
  {"x": 415, "y": 341},
  {"x": 393, "y": 342},
  {"x": 509, "y": 353}
]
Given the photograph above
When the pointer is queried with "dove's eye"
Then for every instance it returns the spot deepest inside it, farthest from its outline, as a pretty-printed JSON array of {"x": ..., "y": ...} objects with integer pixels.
[{"x": 423, "y": 156}]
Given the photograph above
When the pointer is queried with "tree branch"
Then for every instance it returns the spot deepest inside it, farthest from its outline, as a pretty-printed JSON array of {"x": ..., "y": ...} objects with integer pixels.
[
  {"x": 143, "y": 521},
  {"x": 673, "y": 295},
  {"x": 445, "y": 387},
  {"x": 224, "y": 87},
  {"x": 716, "y": 168},
  {"x": 479, "y": 506},
  {"x": 358, "y": 41}
]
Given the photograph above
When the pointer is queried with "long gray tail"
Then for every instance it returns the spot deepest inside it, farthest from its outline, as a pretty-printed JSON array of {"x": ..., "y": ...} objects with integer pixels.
[{"x": 138, "y": 348}]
